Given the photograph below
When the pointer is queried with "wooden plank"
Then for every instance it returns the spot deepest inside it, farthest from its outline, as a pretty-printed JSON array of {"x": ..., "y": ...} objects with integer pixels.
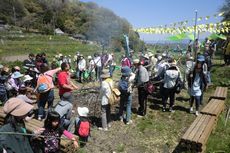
[
  {"x": 196, "y": 128},
  {"x": 187, "y": 133},
  {"x": 220, "y": 93},
  {"x": 202, "y": 128},
  {"x": 208, "y": 129},
  {"x": 215, "y": 107}
]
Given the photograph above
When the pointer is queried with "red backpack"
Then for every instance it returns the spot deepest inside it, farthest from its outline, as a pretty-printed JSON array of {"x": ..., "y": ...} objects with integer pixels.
[{"x": 83, "y": 128}]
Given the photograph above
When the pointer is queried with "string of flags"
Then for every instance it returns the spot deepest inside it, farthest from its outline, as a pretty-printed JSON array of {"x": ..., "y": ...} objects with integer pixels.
[{"x": 182, "y": 27}]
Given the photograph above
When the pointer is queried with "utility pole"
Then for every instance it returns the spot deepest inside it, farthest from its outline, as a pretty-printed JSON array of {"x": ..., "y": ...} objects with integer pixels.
[
  {"x": 14, "y": 16},
  {"x": 195, "y": 43},
  {"x": 195, "y": 26}
]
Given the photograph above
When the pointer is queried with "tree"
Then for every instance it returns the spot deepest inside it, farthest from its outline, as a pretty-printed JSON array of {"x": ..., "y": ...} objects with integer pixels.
[{"x": 226, "y": 9}]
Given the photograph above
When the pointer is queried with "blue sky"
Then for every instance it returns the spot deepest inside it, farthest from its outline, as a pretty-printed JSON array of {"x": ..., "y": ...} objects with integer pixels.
[{"x": 150, "y": 13}]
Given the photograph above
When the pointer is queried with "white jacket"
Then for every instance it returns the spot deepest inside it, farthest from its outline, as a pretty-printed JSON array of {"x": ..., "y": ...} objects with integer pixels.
[
  {"x": 82, "y": 65},
  {"x": 170, "y": 78},
  {"x": 106, "y": 91}
]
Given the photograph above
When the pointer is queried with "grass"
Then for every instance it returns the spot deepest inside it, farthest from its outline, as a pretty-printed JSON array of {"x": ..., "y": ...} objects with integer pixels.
[{"x": 23, "y": 44}]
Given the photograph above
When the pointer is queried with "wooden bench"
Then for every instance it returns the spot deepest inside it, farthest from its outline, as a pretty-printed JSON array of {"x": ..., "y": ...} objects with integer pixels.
[
  {"x": 220, "y": 93},
  {"x": 196, "y": 136},
  {"x": 66, "y": 145},
  {"x": 214, "y": 107}
]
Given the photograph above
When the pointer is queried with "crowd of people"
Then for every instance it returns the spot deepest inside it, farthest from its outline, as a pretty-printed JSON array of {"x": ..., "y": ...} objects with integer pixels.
[{"x": 20, "y": 91}]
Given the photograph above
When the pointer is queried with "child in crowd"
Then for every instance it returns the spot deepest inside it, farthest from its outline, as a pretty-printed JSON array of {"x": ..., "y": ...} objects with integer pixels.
[
  {"x": 64, "y": 109},
  {"x": 82, "y": 127},
  {"x": 22, "y": 95},
  {"x": 53, "y": 128}
]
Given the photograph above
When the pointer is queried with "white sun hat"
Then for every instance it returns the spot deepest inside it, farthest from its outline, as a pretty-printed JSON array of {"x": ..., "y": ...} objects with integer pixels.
[
  {"x": 27, "y": 78},
  {"x": 83, "y": 111}
]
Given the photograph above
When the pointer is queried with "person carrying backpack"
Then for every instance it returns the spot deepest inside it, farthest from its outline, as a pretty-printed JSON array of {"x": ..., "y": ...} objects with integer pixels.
[
  {"x": 171, "y": 78},
  {"x": 125, "y": 87},
  {"x": 82, "y": 126},
  {"x": 45, "y": 88},
  {"x": 64, "y": 109},
  {"x": 197, "y": 84}
]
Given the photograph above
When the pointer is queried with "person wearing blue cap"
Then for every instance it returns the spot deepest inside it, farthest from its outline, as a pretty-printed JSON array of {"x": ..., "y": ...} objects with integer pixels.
[
  {"x": 125, "y": 87},
  {"x": 197, "y": 83}
]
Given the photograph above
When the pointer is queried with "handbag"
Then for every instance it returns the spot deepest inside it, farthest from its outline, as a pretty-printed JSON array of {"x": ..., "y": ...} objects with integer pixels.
[
  {"x": 114, "y": 96},
  {"x": 149, "y": 87},
  {"x": 179, "y": 85}
]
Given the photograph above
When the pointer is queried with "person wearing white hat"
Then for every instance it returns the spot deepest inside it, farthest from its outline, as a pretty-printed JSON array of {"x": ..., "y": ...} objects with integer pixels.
[
  {"x": 189, "y": 68},
  {"x": 82, "y": 122},
  {"x": 91, "y": 68},
  {"x": 27, "y": 78},
  {"x": 151, "y": 64},
  {"x": 170, "y": 79},
  {"x": 142, "y": 78},
  {"x": 105, "y": 93},
  {"x": 15, "y": 83},
  {"x": 81, "y": 67}
]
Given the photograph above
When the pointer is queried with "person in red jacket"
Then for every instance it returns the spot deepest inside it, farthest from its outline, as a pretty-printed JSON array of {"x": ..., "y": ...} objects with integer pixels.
[{"x": 64, "y": 82}]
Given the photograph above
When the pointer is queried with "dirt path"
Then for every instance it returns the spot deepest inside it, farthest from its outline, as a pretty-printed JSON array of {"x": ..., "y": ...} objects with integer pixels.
[{"x": 14, "y": 58}]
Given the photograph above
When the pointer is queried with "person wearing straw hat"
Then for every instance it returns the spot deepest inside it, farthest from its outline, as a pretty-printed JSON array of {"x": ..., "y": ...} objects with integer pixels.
[
  {"x": 105, "y": 92},
  {"x": 141, "y": 79},
  {"x": 16, "y": 111}
]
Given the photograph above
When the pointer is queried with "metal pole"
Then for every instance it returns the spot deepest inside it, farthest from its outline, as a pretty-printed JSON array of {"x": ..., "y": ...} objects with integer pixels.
[
  {"x": 195, "y": 27},
  {"x": 14, "y": 16},
  {"x": 195, "y": 24}
]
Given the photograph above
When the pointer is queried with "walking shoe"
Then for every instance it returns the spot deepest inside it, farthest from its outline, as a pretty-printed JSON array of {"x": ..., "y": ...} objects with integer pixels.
[
  {"x": 140, "y": 116},
  {"x": 103, "y": 129},
  {"x": 163, "y": 109},
  {"x": 191, "y": 110},
  {"x": 197, "y": 113},
  {"x": 109, "y": 125},
  {"x": 129, "y": 122},
  {"x": 171, "y": 110}
]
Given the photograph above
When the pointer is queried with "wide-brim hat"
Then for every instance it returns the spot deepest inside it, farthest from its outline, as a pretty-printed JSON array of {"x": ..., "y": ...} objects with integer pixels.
[
  {"x": 16, "y": 75},
  {"x": 150, "y": 54},
  {"x": 136, "y": 61},
  {"x": 146, "y": 56},
  {"x": 27, "y": 78},
  {"x": 200, "y": 58},
  {"x": 105, "y": 74},
  {"x": 67, "y": 96},
  {"x": 89, "y": 57},
  {"x": 83, "y": 111},
  {"x": 17, "y": 107},
  {"x": 125, "y": 71},
  {"x": 42, "y": 88}
]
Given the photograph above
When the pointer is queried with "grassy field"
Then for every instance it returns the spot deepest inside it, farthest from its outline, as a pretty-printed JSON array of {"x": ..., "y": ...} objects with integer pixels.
[{"x": 158, "y": 131}]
